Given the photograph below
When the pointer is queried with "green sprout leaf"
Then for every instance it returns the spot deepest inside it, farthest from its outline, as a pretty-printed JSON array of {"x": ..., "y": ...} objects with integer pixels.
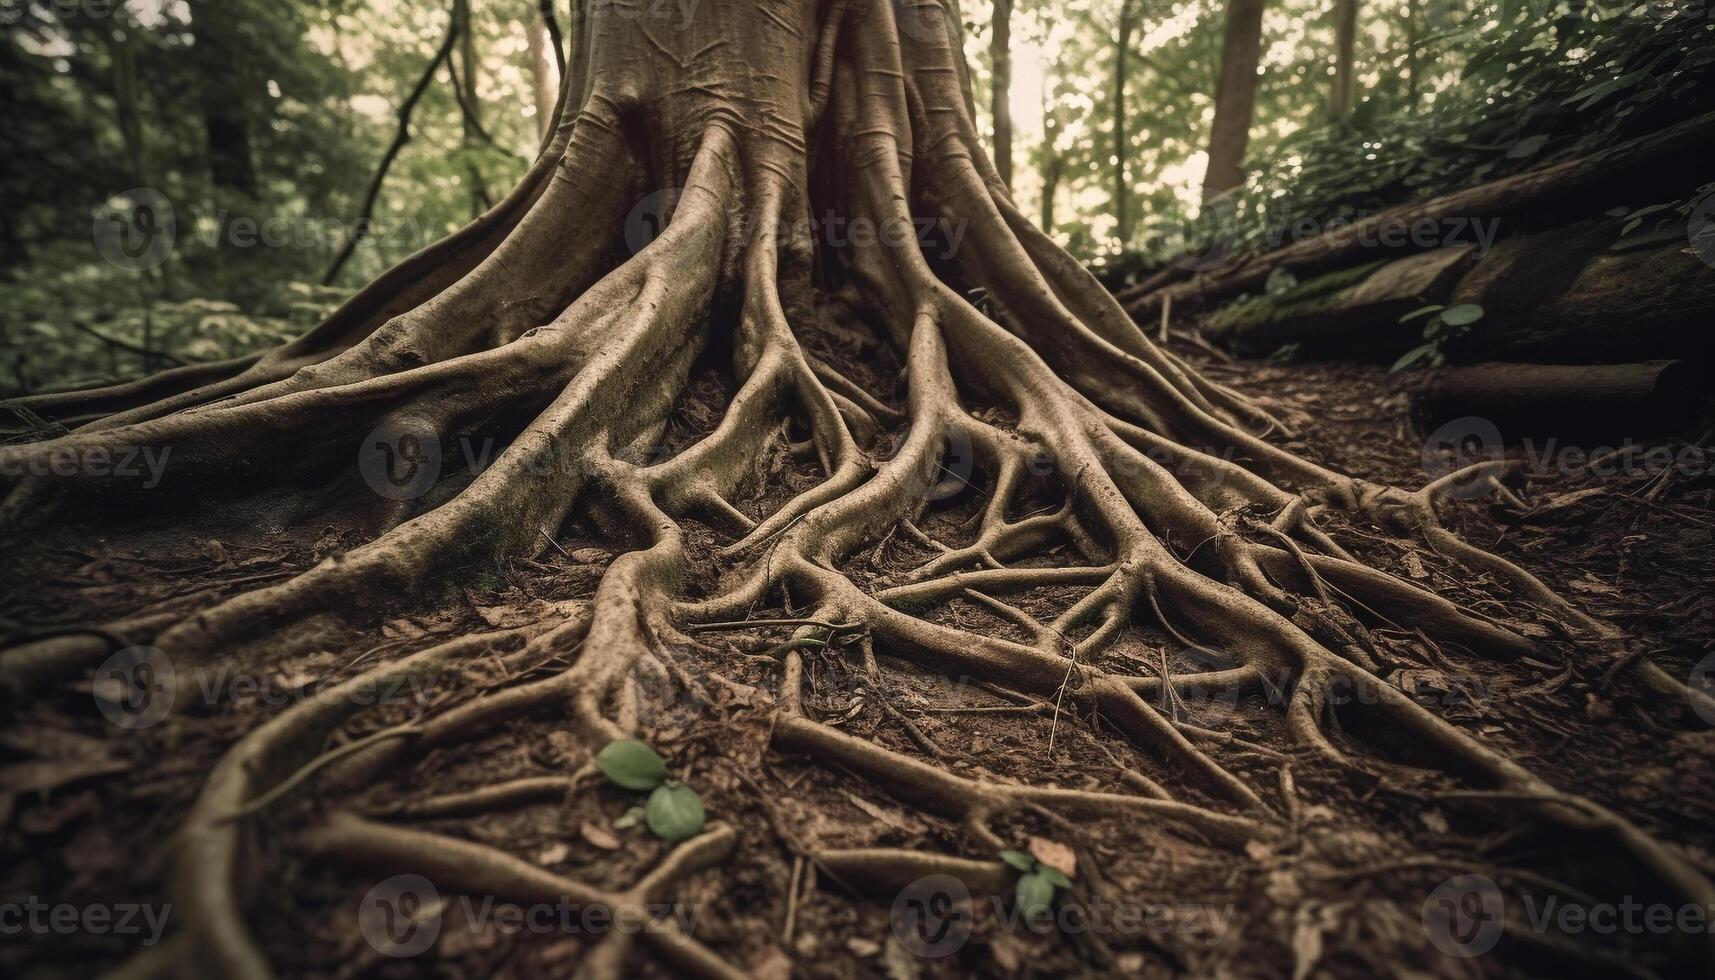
[
  {"x": 1412, "y": 357},
  {"x": 1462, "y": 315},
  {"x": 1019, "y": 860},
  {"x": 631, "y": 764},
  {"x": 1421, "y": 311},
  {"x": 674, "y": 813},
  {"x": 1034, "y": 893},
  {"x": 1054, "y": 875}
]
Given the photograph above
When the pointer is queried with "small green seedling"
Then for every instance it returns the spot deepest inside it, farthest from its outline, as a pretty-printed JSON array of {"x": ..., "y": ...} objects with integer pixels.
[
  {"x": 1034, "y": 891},
  {"x": 673, "y": 811},
  {"x": 1446, "y": 323}
]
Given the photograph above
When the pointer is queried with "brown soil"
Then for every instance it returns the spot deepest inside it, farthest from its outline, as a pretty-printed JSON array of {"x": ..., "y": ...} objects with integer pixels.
[{"x": 1342, "y": 894}]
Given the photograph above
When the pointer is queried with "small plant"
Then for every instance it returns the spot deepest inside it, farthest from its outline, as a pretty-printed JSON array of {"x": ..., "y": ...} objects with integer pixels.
[
  {"x": 1037, "y": 882},
  {"x": 673, "y": 811},
  {"x": 1446, "y": 323}
]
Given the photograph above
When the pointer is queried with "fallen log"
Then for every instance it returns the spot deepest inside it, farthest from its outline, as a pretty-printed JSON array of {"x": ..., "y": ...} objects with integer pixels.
[
  {"x": 1352, "y": 314},
  {"x": 1554, "y": 298},
  {"x": 1588, "y": 400},
  {"x": 1670, "y": 160}
]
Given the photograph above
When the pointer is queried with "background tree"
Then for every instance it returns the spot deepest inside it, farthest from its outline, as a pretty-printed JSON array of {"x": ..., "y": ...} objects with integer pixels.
[
  {"x": 1000, "y": 96},
  {"x": 1235, "y": 98},
  {"x": 1345, "y": 42}
]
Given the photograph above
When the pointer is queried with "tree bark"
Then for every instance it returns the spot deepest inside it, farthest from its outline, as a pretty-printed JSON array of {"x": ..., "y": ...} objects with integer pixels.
[
  {"x": 788, "y": 435},
  {"x": 1000, "y": 95},
  {"x": 1235, "y": 98}
]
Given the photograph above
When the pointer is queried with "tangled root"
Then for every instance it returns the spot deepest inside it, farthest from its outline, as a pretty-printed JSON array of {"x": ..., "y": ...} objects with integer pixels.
[{"x": 1102, "y": 466}]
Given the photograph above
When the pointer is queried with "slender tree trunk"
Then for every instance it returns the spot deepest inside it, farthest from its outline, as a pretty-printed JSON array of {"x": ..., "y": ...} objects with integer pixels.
[
  {"x": 1411, "y": 54},
  {"x": 1000, "y": 54},
  {"x": 1235, "y": 97},
  {"x": 230, "y": 163},
  {"x": 544, "y": 74},
  {"x": 125, "y": 101},
  {"x": 1121, "y": 148},
  {"x": 1052, "y": 165},
  {"x": 1340, "y": 96},
  {"x": 473, "y": 132}
]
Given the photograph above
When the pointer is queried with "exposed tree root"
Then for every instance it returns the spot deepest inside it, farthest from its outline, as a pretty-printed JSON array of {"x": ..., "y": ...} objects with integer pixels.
[{"x": 1101, "y": 470}]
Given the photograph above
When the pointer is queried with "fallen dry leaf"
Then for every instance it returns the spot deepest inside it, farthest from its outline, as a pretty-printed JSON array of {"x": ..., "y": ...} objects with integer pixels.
[
  {"x": 1055, "y": 855},
  {"x": 599, "y": 836},
  {"x": 1414, "y": 566}
]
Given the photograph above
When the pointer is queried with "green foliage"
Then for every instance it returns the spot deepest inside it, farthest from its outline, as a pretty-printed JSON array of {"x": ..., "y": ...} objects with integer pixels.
[
  {"x": 673, "y": 811},
  {"x": 1528, "y": 85},
  {"x": 1033, "y": 892},
  {"x": 631, "y": 764},
  {"x": 1444, "y": 324},
  {"x": 98, "y": 103},
  {"x": 102, "y": 98},
  {"x": 1449, "y": 95}
]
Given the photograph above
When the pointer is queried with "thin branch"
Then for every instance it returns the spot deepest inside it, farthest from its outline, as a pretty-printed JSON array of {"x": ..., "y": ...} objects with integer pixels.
[{"x": 361, "y": 229}]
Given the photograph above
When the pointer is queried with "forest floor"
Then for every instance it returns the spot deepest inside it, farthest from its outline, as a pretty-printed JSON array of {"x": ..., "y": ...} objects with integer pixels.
[{"x": 92, "y": 809}]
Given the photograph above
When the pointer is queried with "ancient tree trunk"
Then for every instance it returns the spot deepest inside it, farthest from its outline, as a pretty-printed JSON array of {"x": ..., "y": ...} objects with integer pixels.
[
  {"x": 1000, "y": 94},
  {"x": 727, "y": 328},
  {"x": 1235, "y": 98}
]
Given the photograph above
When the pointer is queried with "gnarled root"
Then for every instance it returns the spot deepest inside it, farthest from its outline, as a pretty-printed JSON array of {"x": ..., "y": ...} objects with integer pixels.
[{"x": 1114, "y": 501}]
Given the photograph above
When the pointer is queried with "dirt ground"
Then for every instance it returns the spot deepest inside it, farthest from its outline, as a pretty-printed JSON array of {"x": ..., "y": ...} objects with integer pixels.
[{"x": 91, "y": 808}]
